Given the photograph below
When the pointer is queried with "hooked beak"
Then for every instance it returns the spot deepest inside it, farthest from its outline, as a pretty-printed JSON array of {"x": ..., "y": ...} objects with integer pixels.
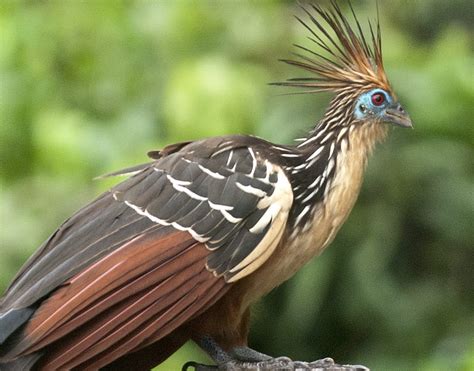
[{"x": 396, "y": 115}]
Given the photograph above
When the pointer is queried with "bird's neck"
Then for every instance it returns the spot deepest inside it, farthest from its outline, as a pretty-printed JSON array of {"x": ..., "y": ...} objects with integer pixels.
[{"x": 336, "y": 149}]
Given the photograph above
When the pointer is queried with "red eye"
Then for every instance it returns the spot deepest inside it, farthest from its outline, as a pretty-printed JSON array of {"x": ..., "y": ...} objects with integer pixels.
[{"x": 378, "y": 99}]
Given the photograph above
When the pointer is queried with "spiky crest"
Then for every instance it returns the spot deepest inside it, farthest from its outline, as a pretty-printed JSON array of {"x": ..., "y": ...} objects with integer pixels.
[{"x": 352, "y": 61}]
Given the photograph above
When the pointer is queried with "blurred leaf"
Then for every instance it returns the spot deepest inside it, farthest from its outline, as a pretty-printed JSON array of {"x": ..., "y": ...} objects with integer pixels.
[
  {"x": 211, "y": 90},
  {"x": 88, "y": 88}
]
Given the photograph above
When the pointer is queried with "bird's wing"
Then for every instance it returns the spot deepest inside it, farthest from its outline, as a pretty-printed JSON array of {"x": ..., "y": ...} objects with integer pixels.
[{"x": 156, "y": 250}]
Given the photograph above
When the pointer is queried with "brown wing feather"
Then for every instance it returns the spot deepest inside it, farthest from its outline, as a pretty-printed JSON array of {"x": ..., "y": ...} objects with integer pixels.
[
  {"x": 143, "y": 259},
  {"x": 128, "y": 299},
  {"x": 200, "y": 297}
]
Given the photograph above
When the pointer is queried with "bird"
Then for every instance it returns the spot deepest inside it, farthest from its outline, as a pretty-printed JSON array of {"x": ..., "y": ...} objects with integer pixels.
[{"x": 182, "y": 248}]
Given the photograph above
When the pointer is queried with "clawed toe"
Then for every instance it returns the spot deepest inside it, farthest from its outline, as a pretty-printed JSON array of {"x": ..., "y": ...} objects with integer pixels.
[{"x": 280, "y": 364}]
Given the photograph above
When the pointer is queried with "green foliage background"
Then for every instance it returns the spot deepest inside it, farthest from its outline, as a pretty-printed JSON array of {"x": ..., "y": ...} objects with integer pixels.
[{"x": 89, "y": 87}]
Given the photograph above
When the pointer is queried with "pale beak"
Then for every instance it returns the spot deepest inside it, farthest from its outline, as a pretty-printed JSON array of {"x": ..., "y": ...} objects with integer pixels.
[{"x": 396, "y": 115}]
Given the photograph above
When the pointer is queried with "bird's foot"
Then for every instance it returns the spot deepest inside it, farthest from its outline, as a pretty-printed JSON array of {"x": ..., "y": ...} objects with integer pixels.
[
  {"x": 280, "y": 363},
  {"x": 246, "y": 359}
]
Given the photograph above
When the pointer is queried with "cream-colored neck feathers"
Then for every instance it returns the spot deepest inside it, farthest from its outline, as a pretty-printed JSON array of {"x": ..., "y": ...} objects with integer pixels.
[{"x": 326, "y": 219}]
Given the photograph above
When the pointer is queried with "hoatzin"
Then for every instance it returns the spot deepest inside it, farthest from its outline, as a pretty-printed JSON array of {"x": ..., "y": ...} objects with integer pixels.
[{"x": 184, "y": 246}]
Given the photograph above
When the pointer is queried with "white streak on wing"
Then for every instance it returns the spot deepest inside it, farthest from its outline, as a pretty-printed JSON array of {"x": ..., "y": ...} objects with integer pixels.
[
  {"x": 265, "y": 202},
  {"x": 231, "y": 153},
  {"x": 331, "y": 149},
  {"x": 120, "y": 173},
  {"x": 222, "y": 150},
  {"x": 195, "y": 235},
  {"x": 254, "y": 162},
  {"x": 177, "y": 182},
  {"x": 299, "y": 167},
  {"x": 301, "y": 142},
  {"x": 315, "y": 182},
  {"x": 211, "y": 173},
  {"x": 220, "y": 207},
  {"x": 311, "y": 163},
  {"x": 145, "y": 213},
  {"x": 318, "y": 134},
  {"x": 252, "y": 190},
  {"x": 335, "y": 118},
  {"x": 307, "y": 141},
  {"x": 8, "y": 311},
  {"x": 266, "y": 218},
  {"x": 341, "y": 133},
  {"x": 280, "y": 201},
  {"x": 315, "y": 153},
  {"x": 190, "y": 193},
  {"x": 301, "y": 195},
  {"x": 224, "y": 211},
  {"x": 290, "y": 155},
  {"x": 327, "y": 137},
  {"x": 282, "y": 149},
  {"x": 178, "y": 185},
  {"x": 227, "y": 144},
  {"x": 303, "y": 213},
  {"x": 229, "y": 217},
  {"x": 154, "y": 219},
  {"x": 262, "y": 252},
  {"x": 311, "y": 195}
]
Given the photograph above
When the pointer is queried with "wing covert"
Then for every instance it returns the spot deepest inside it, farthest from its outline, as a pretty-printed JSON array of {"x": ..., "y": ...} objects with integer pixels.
[
  {"x": 211, "y": 206},
  {"x": 232, "y": 199}
]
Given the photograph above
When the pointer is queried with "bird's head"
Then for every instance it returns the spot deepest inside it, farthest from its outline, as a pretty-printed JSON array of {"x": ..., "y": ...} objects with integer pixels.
[
  {"x": 350, "y": 65},
  {"x": 379, "y": 104}
]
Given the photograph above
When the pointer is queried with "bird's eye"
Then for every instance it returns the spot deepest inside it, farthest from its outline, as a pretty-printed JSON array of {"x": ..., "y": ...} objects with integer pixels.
[{"x": 378, "y": 99}]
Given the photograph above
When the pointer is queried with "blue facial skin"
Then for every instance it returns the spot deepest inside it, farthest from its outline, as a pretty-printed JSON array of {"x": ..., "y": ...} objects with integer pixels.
[{"x": 365, "y": 109}]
